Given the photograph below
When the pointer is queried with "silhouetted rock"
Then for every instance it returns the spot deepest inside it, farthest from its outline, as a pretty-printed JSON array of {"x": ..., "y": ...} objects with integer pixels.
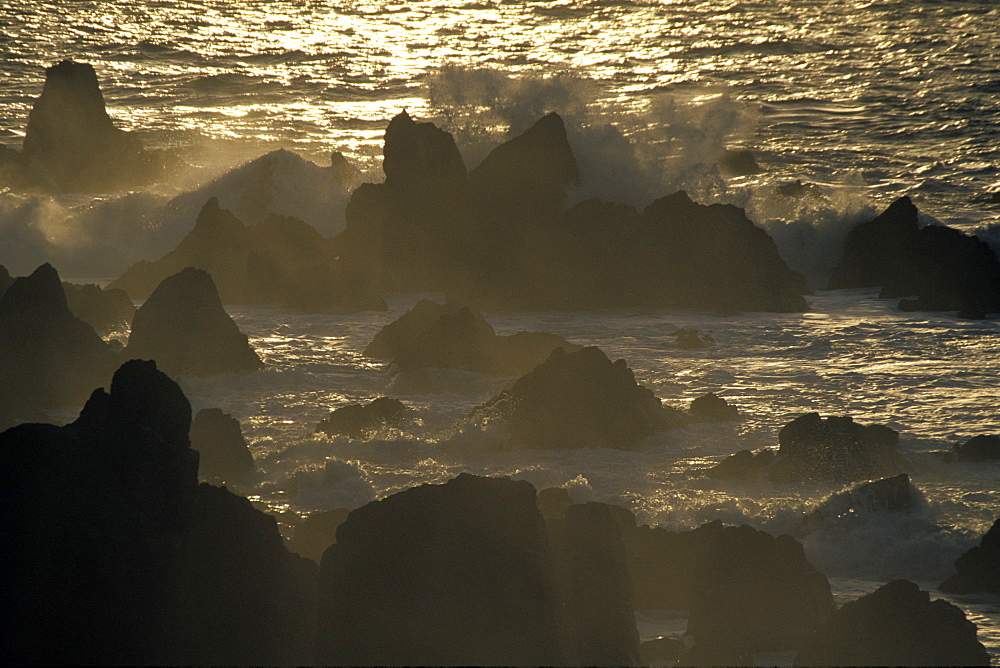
[
  {"x": 447, "y": 574},
  {"x": 580, "y": 400},
  {"x": 104, "y": 310},
  {"x": 896, "y": 625},
  {"x": 690, "y": 339},
  {"x": 6, "y": 280},
  {"x": 979, "y": 568},
  {"x": 114, "y": 547},
  {"x": 743, "y": 465},
  {"x": 942, "y": 268},
  {"x": 984, "y": 447},
  {"x": 359, "y": 421},
  {"x": 185, "y": 329},
  {"x": 72, "y": 145},
  {"x": 835, "y": 449},
  {"x": 280, "y": 261},
  {"x": 738, "y": 163},
  {"x": 710, "y": 407},
  {"x": 889, "y": 495},
  {"x": 553, "y": 502},
  {"x": 317, "y": 532},
  {"x": 223, "y": 451},
  {"x": 48, "y": 357},
  {"x": 432, "y": 335},
  {"x": 798, "y": 189}
]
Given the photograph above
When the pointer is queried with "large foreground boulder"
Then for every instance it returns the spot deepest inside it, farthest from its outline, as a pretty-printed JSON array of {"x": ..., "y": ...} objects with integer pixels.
[
  {"x": 184, "y": 327},
  {"x": 896, "y": 625},
  {"x": 115, "y": 549},
  {"x": 48, "y": 357},
  {"x": 280, "y": 260},
  {"x": 72, "y": 145},
  {"x": 979, "y": 568},
  {"x": 580, "y": 400},
  {"x": 448, "y": 336},
  {"x": 465, "y": 573}
]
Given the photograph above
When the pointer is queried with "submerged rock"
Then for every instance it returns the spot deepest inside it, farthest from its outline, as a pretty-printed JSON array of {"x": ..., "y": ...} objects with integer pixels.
[
  {"x": 184, "y": 327},
  {"x": 48, "y": 357},
  {"x": 896, "y": 625},
  {"x": 223, "y": 451},
  {"x": 711, "y": 407},
  {"x": 359, "y": 421},
  {"x": 979, "y": 568},
  {"x": 72, "y": 145},
  {"x": 448, "y": 336},
  {"x": 889, "y": 495},
  {"x": 580, "y": 400},
  {"x": 744, "y": 465},
  {"x": 690, "y": 339},
  {"x": 985, "y": 447},
  {"x": 116, "y": 549},
  {"x": 738, "y": 163}
]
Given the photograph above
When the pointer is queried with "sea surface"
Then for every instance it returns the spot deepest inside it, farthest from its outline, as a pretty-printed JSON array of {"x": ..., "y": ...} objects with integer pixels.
[{"x": 867, "y": 100}]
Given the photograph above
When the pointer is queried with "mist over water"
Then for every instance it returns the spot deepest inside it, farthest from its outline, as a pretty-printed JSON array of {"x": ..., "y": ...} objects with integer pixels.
[{"x": 860, "y": 101}]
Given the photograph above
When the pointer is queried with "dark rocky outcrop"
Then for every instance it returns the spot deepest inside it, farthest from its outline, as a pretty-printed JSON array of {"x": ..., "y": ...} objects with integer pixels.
[
  {"x": 985, "y": 447},
  {"x": 359, "y": 421},
  {"x": 889, "y": 495},
  {"x": 281, "y": 260},
  {"x": 48, "y": 357},
  {"x": 316, "y": 533},
  {"x": 580, "y": 400},
  {"x": 104, "y": 310},
  {"x": 835, "y": 449},
  {"x": 465, "y": 573},
  {"x": 553, "y": 502},
  {"x": 185, "y": 329},
  {"x": 738, "y": 163},
  {"x": 691, "y": 339},
  {"x": 222, "y": 450},
  {"x": 979, "y": 568},
  {"x": 6, "y": 280},
  {"x": 448, "y": 336},
  {"x": 115, "y": 549},
  {"x": 711, "y": 408},
  {"x": 743, "y": 465},
  {"x": 72, "y": 145},
  {"x": 942, "y": 268},
  {"x": 896, "y": 625}
]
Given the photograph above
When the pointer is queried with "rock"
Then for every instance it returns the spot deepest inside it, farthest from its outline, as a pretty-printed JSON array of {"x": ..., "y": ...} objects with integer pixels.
[
  {"x": 48, "y": 357},
  {"x": 117, "y": 550},
  {"x": 738, "y": 163},
  {"x": 896, "y": 625},
  {"x": 6, "y": 280},
  {"x": 220, "y": 444},
  {"x": 984, "y": 447},
  {"x": 580, "y": 400},
  {"x": 359, "y": 421},
  {"x": 185, "y": 329},
  {"x": 458, "y": 573},
  {"x": 72, "y": 145},
  {"x": 798, "y": 189},
  {"x": 710, "y": 408},
  {"x": 835, "y": 449},
  {"x": 553, "y": 502},
  {"x": 104, "y": 310},
  {"x": 889, "y": 495},
  {"x": 317, "y": 532},
  {"x": 979, "y": 568},
  {"x": 432, "y": 335},
  {"x": 690, "y": 339},
  {"x": 279, "y": 261},
  {"x": 874, "y": 251},
  {"x": 743, "y": 465}
]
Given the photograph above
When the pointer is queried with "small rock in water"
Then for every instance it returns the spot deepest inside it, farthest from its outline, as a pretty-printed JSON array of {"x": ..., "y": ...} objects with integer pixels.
[
  {"x": 711, "y": 407},
  {"x": 985, "y": 447},
  {"x": 979, "y": 568},
  {"x": 359, "y": 421}
]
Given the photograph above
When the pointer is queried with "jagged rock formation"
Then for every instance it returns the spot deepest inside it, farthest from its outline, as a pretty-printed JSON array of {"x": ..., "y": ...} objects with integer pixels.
[
  {"x": 979, "y": 568},
  {"x": 72, "y": 145},
  {"x": 222, "y": 450},
  {"x": 104, "y": 310},
  {"x": 896, "y": 625},
  {"x": 359, "y": 421},
  {"x": 185, "y": 329},
  {"x": 943, "y": 269},
  {"x": 464, "y": 573},
  {"x": 432, "y": 335},
  {"x": 114, "y": 548},
  {"x": 48, "y": 357},
  {"x": 985, "y": 447},
  {"x": 580, "y": 400},
  {"x": 279, "y": 261},
  {"x": 711, "y": 408},
  {"x": 889, "y": 495},
  {"x": 498, "y": 238}
]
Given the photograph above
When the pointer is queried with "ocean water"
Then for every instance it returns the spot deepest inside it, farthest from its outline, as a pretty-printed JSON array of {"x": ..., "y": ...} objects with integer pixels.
[{"x": 868, "y": 100}]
